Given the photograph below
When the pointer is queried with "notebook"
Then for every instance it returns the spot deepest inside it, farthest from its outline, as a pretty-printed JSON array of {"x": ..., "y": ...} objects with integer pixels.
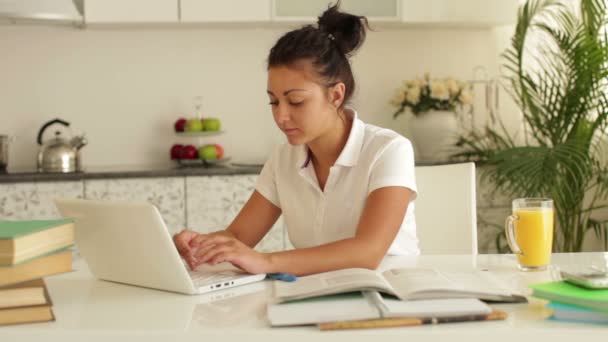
[{"x": 368, "y": 305}]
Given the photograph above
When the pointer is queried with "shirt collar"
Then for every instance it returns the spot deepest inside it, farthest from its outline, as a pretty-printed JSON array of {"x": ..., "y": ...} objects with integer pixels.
[
  {"x": 305, "y": 157},
  {"x": 350, "y": 153}
]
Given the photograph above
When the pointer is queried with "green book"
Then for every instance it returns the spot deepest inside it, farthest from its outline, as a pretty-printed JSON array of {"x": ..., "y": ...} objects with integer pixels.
[
  {"x": 14, "y": 229},
  {"x": 564, "y": 292},
  {"x": 21, "y": 241}
]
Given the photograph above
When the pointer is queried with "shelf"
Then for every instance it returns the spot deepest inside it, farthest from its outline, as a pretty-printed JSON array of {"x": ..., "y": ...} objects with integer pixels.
[{"x": 202, "y": 162}]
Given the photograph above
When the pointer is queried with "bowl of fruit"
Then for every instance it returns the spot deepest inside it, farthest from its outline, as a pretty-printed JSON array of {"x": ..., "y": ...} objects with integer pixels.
[
  {"x": 197, "y": 127},
  {"x": 205, "y": 155}
]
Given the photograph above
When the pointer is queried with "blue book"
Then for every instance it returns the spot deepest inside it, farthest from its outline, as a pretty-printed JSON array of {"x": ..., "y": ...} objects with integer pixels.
[{"x": 566, "y": 312}]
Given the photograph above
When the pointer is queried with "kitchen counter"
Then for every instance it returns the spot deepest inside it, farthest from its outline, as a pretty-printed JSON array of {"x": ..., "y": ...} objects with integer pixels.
[
  {"x": 149, "y": 171},
  {"x": 17, "y": 176}
]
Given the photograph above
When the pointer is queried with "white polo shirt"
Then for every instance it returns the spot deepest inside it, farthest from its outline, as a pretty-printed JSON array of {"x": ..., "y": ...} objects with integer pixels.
[{"x": 372, "y": 158}]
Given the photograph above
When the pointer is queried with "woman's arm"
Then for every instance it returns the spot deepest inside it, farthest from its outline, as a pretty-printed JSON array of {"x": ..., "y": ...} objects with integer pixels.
[
  {"x": 254, "y": 220},
  {"x": 380, "y": 222}
]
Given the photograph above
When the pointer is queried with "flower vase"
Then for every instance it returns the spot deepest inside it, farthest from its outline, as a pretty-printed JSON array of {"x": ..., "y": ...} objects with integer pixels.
[{"x": 434, "y": 135}]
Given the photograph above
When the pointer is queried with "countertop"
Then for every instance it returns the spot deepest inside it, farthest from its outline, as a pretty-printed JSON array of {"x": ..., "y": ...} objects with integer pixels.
[
  {"x": 142, "y": 171},
  {"x": 128, "y": 171}
]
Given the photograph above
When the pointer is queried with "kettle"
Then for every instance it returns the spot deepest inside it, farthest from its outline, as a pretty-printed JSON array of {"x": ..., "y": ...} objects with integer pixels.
[{"x": 59, "y": 154}]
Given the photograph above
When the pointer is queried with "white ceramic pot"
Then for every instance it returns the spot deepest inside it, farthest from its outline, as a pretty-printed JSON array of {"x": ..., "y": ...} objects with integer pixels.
[{"x": 434, "y": 135}]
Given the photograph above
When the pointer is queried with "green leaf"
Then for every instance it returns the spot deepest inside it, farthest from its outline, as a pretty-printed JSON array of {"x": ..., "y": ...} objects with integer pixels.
[{"x": 560, "y": 84}]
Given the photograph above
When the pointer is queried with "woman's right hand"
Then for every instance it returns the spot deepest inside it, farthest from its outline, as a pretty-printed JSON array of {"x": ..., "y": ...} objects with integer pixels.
[
  {"x": 188, "y": 246},
  {"x": 182, "y": 243}
]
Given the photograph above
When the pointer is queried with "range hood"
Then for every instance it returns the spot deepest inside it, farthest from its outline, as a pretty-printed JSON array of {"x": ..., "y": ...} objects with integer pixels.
[{"x": 42, "y": 10}]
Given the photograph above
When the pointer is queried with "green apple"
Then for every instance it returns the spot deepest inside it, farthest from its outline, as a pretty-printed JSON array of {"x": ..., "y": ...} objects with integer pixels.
[
  {"x": 212, "y": 124},
  {"x": 194, "y": 125},
  {"x": 208, "y": 152}
]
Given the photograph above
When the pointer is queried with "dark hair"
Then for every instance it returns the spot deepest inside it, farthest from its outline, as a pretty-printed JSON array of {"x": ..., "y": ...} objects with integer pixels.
[{"x": 328, "y": 46}]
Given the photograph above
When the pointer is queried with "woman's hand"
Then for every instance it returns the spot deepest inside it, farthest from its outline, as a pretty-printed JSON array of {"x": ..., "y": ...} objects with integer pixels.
[
  {"x": 215, "y": 248},
  {"x": 182, "y": 242}
]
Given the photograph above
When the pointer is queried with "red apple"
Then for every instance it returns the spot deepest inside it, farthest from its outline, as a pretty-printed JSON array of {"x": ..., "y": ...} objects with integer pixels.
[
  {"x": 176, "y": 151},
  {"x": 189, "y": 152},
  {"x": 220, "y": 151},
  {"x": 180, "y": 124}
]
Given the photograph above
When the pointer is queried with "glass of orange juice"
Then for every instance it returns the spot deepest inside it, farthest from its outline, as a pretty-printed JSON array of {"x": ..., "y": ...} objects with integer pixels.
[{"x": 529, "y": 232}]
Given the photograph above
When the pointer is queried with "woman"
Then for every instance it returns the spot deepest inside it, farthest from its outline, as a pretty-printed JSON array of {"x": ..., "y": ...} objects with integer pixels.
[{"x": 345, "y": 188}]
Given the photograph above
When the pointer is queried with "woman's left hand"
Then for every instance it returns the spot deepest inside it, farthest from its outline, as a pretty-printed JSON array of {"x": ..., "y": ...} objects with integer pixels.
[{"x": 213, "y": 249}]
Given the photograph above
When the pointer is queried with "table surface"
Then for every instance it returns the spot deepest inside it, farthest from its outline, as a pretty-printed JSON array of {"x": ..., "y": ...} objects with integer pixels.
[{"x": 98, "y": 310}]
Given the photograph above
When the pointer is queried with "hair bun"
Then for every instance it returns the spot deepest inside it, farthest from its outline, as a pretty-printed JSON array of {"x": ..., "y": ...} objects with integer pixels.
[{"x": 347, "y": 30}]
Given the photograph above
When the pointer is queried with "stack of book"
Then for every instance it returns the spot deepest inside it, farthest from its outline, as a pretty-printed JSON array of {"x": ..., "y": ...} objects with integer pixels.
[
  {"x": 570, "y": 302},
  {"x": 30, "y": 251}
]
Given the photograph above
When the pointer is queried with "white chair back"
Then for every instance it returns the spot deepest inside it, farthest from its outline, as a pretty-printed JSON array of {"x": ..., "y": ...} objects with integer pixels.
[{"x": 446, "y": 215}]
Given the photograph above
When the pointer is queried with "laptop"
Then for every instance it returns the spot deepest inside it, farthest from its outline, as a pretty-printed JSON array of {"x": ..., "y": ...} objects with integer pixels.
[{"x": 128, "y": 242}]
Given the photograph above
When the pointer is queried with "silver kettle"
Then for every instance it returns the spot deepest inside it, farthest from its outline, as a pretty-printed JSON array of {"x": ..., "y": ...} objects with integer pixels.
[{"x": 59, "y": 154}]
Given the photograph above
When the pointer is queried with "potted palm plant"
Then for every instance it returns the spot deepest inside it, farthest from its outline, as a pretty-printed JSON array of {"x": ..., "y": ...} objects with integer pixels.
[{"x": 560, "y": 83}]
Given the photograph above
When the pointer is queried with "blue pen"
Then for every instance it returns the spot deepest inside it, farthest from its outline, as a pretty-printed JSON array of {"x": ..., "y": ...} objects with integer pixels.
[{"x": 282, "y": 277}]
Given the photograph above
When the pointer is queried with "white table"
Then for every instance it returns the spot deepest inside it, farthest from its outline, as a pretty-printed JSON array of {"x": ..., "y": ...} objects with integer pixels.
[{"x": 87, "y": 309}]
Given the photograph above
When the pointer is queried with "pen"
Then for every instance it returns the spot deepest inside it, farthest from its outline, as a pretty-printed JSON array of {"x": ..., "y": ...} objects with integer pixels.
[{"x": 282, "y": 277}]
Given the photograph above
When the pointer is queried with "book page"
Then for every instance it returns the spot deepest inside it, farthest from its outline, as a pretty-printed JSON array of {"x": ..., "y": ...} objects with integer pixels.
[
  {"x": 347, "y": 280},
  {"x": 420, "y": 283}
]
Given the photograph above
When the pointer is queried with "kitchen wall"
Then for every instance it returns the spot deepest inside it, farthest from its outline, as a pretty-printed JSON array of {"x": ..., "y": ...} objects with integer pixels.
[{"x": 124, "y": 87}]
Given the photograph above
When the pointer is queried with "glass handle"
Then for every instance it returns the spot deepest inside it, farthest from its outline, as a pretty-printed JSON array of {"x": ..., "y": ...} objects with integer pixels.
[{"x": 510, "y": 233}]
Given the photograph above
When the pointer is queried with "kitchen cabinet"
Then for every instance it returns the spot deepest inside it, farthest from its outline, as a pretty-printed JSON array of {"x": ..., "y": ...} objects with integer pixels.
[
  {"x": 377, "y": 10},
  {"x": 211, "y": 11},
  {"x": 201, "y": 203},
  {"x": 167, "y": 194},
  {"x": 24, "y": 201},
  {"x": 214, "y": 201},
  {"x": 130, "y": 11},
  {"x": 459, "y": 12},
  {"x": 427, "y": 13}
]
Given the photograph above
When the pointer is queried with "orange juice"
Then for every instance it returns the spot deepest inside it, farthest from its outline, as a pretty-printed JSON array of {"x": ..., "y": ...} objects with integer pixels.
[{"x": 534, "y": 235}]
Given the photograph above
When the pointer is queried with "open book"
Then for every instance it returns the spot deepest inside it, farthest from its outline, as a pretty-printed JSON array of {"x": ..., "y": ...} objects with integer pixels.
[{"x": 403, "y": 283}]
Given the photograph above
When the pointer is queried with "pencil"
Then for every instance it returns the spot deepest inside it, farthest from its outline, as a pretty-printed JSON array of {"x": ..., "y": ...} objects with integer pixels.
[{"x": 409, "y": 321}]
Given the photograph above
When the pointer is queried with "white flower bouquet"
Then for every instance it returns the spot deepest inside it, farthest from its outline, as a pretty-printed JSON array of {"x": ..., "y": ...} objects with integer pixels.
[{"x": 423, "y": 94}]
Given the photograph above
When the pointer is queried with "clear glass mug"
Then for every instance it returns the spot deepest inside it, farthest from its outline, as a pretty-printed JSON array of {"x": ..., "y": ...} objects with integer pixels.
[{"x": 529, "y": 232}]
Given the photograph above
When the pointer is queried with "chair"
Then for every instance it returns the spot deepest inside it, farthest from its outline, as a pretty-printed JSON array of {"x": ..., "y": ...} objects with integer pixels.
[{"x": 446, "y": 215}]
